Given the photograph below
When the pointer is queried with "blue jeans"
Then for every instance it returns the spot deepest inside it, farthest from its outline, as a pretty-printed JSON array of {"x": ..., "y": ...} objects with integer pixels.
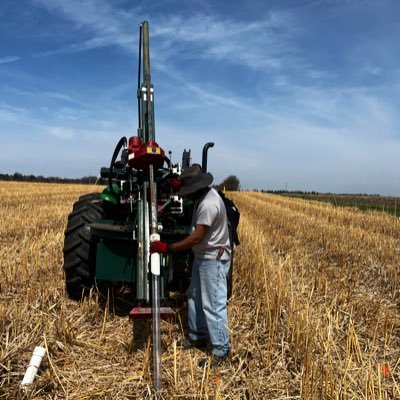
[{"x": 207, "y": 297}]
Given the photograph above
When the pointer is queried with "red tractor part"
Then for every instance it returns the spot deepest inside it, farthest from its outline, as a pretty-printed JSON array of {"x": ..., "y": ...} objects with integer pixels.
[
  {"x": 146, "y": 313},
  {"x": 142, "y": 155}
]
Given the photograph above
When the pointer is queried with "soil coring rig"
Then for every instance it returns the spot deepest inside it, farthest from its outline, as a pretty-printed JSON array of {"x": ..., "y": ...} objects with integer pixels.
[{"x": 108, "y": 235}]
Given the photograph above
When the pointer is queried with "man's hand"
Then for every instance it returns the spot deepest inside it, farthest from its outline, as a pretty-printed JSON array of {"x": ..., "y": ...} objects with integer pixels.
[
  {"x": 194, "y": 238},
  {"x": 159, "y": 247}
]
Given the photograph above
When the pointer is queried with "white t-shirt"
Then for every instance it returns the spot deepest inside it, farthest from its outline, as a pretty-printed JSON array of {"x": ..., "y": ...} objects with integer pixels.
[{"x": 210, "y": 210}]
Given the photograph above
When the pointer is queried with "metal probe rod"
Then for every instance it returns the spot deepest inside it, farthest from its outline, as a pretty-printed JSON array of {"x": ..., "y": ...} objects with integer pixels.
[
  {"x": 155, "y": 284},
  {"x": 147, "y": 83},
  {"x": 140, "y": 127}
]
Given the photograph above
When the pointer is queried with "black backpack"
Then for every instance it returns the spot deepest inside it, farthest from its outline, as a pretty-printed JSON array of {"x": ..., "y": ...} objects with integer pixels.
[{"x": 233, "y": 215}]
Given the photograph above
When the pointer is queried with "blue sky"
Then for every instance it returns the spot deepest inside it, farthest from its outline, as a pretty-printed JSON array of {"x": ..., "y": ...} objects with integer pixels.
[{"x": 301, "y": 92}]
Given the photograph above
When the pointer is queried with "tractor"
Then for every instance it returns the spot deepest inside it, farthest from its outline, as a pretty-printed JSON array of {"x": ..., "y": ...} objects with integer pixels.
[{"x": 108, "y": 235}]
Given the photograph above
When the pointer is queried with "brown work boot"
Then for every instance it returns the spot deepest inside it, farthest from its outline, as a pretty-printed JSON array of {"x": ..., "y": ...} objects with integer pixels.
[
  {"x": 214, "y": 360},
  {"x": 188, "y": 343}
]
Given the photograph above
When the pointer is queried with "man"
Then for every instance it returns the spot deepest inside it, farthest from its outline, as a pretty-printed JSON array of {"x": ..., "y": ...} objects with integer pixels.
[{"x": 209, "y": 240}]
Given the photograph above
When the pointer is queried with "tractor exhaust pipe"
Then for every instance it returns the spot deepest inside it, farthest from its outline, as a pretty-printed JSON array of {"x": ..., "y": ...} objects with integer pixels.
[{"x": 204, "y": 159}]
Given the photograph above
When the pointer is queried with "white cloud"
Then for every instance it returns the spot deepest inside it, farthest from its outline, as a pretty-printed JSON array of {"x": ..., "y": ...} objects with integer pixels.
[
  {"x": 61, "y": 132},
  {"x": 209, "y": 97},
  {"x": 97, "y": 15},
  {"x": 63, "y": 97},
  {"x": 373, "y": 69},
  {"x": 37, "y": 92},
  {"x": 10, "y": 113},
  {"x": 262, "y": 44},
  {"x": 106, "y": 24},
  {"x": 9, "y": 59},
  {"x": 125, "y": 41}
]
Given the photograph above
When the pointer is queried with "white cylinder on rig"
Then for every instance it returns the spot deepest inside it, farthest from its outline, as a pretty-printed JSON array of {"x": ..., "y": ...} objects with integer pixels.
[{"x": 155, "y": 259}]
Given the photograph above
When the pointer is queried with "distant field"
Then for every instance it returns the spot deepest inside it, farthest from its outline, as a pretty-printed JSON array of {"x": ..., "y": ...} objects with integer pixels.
[
  {"x": 315, "y": 311},
  {"x": 386, "y": 204}
]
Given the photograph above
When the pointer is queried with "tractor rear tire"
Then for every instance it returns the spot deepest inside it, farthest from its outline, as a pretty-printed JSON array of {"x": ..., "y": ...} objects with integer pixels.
[{"x": 80, "y": 247}]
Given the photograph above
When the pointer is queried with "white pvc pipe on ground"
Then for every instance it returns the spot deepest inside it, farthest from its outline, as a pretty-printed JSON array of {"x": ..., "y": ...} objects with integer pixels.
[{"x": 34, "y": 365}]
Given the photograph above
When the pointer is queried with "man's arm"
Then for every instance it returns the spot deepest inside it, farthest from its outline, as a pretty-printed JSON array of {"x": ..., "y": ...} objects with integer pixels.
[{"x": 194, "y": 238}]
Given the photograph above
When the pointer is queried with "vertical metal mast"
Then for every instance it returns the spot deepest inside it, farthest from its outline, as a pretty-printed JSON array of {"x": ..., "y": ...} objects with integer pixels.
[
  {"x": 139, "y": 95},
  {"x": 150, "y": 224},
  {"x": 147, "y": 88}
]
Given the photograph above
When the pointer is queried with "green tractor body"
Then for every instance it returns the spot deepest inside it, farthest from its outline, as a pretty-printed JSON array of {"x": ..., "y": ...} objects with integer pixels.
[{"x": 108, "y": 235}]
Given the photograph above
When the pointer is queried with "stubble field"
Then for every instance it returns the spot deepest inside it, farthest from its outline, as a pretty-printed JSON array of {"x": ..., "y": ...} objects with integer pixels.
[{"x": 314, "y": 314}]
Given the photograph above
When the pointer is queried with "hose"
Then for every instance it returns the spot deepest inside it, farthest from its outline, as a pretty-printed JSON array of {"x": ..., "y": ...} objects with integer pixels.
[{"x": 122, "y": 142}]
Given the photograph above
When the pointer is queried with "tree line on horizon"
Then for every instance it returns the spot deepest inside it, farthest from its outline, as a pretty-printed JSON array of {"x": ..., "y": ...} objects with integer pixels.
[
  {"x": 231, "y": 183},
  {"x": 18, "y": 177}
]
